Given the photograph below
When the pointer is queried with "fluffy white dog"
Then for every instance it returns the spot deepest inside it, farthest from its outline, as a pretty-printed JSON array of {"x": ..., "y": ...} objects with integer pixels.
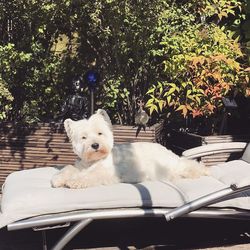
[{"x": 101, "y": 162}]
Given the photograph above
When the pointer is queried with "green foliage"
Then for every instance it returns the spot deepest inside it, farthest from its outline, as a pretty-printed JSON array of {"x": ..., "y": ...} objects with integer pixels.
[
  {"x": 170, "y": 50},
  {"x": 11, "y": 62},
  {"x": 5, "y": 100},
  {"x": 201, "y": 62},
  {"x": 64, "y": 38},
  {"x": 115, "y": 97},
  {"x": 246, "y": 31}
]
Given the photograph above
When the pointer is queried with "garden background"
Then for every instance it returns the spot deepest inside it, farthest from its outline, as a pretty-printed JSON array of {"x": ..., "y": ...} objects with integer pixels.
[{"x": 181, "y": 57}]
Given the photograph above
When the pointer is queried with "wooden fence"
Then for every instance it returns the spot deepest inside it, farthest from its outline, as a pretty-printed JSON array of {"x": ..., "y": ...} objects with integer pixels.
[{"x": 41, "y": 145}]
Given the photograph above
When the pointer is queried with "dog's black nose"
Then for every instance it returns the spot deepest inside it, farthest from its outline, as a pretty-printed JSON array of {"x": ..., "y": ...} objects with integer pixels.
[{"x": 95, "y": 146}]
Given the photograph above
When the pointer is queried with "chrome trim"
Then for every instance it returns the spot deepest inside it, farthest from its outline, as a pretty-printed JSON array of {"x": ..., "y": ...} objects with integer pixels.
[
  {"x": 209, "y": 199},
  {"x": 71, "y": 233},
  {"x": 52, "y": 219},
  {"x": 47, "y": 220},
  {"x": 66, "y": 224}
]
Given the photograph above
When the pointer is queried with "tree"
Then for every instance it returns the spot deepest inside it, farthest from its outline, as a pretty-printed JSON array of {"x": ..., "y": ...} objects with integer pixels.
[
  {"x": 136, "y": 46},
  {"x": 63, "y": 38}
]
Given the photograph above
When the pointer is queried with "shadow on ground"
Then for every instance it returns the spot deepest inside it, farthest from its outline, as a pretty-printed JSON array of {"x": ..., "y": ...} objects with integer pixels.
[{"x": 138, "y": 234}]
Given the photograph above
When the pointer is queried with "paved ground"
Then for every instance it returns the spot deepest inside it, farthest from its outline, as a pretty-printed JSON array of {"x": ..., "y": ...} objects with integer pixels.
[{"x": 141, "y": 234}]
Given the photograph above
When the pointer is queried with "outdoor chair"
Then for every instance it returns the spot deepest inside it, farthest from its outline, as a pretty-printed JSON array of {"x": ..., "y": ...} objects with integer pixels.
[{"x": 29, "y": 201}]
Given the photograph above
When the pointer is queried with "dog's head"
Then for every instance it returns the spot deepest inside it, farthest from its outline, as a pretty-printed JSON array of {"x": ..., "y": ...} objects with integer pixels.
[{"x": 92, "y": 139}]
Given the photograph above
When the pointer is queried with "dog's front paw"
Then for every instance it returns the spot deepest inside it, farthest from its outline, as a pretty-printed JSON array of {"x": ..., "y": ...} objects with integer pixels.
[
  {"x": 57, "y": 181},
  {"x": 76, "y": 183},
  {"x": 60, "y": 178}
]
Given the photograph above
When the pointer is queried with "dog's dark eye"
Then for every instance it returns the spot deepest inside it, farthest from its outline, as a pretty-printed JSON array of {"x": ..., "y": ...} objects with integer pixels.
[
  {"x": 99, "y": 133},
  {"x": 84, "y": 137}
]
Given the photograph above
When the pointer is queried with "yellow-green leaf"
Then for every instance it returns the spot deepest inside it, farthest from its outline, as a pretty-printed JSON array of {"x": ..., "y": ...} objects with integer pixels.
[{"x": 153, "y": 108}]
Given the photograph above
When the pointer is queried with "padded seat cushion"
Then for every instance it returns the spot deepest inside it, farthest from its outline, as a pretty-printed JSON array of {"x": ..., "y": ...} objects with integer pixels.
[
  {"x": 246, "y": 155},
  {"x": 29, "y": 193}
]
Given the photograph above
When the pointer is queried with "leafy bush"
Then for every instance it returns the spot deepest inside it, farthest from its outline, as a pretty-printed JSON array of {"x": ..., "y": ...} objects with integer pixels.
[
  {"x": 200, "y": 67},
  {"x": 5, "y": 100},
  {"x": 11, "y": 63},
  {"x": 201, "y": 63}
]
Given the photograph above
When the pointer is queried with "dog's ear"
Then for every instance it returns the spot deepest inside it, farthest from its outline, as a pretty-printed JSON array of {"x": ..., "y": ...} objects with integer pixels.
[
  {"x": 105, "y": 116},
  {"x": 67, "y": 125}
]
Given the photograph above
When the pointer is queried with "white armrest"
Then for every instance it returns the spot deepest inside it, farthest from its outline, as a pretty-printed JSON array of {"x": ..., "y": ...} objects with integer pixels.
[{"x": 214, "y": 148}]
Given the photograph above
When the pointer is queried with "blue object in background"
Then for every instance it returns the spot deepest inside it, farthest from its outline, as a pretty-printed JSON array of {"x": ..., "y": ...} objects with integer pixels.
[{"x": 92, "y": 78}]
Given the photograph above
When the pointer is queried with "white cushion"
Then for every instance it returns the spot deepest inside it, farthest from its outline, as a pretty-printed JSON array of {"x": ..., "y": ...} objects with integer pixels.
[
  {"x": 233, "y": 172},
  {"x": 246, "y": 155}
]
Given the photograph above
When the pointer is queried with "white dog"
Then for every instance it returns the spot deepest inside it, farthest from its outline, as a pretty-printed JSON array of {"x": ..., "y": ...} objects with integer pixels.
[{"x": 101, "y": 162}]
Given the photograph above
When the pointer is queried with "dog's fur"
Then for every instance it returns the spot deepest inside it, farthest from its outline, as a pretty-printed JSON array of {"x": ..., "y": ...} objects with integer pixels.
[{"x": 101, "y": 162}]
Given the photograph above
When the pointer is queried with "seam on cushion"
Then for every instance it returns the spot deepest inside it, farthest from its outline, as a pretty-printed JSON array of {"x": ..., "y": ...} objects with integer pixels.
[{"x": 183, "y": 195}]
